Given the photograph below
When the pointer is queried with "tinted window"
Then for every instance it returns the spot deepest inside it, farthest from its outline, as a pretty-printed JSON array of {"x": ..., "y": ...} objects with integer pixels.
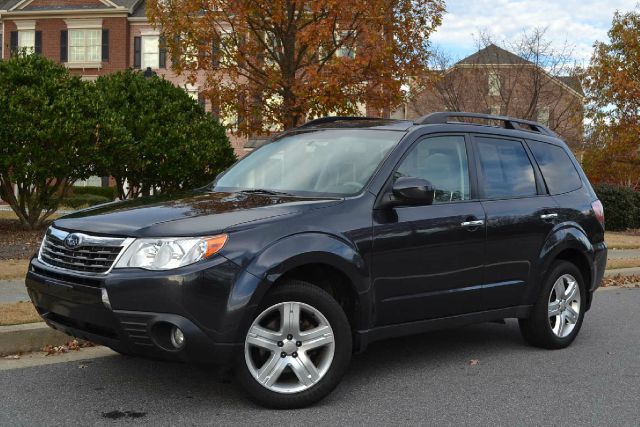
[
  {"x": 506, "y": 169},
  {"x": 441, "y": 160},
  {"x": 557, "y": 168}
]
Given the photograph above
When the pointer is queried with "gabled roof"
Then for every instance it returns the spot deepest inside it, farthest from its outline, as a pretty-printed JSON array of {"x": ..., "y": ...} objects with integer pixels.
[
  {"x": 26, "y": 5},
  {"x": 140, "y": 10},
  {"x": 573, "y": 82},
  {"x": 493, "y": 54}
]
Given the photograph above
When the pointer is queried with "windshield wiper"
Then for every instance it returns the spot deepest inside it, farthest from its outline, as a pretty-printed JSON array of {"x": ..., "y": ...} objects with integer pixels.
[{"x": 265, "y": 191}]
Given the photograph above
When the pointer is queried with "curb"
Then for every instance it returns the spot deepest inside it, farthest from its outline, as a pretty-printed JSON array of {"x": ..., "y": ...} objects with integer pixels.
[{"x": 29, "y": 337}]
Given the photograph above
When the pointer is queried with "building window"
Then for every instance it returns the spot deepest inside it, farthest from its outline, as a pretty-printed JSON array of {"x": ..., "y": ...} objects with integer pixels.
[
  {"x": 543, "y": 116},
  {"x": 192, "y": 91},
  {"x": 346, "y": 50},
  {"x": 150, "y": 52},
  {"x": 85, "y": 45},
  {"x": 27, "y": 39},
  {"x": 494, "y": 84}
]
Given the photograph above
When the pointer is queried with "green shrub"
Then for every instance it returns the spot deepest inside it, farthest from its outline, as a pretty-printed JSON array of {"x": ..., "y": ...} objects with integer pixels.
[
  {"x": 84, "y": 200},
  {"x": 621, "y": 207},
  {"x": 108, "y": 192}
]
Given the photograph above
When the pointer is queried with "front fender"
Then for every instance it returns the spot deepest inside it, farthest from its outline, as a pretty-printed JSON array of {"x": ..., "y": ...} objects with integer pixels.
[{"x": 294, "y": 251}]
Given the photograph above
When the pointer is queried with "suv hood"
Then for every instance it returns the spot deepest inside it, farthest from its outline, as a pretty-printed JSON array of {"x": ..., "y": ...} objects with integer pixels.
[{"x": 191, "y": 214}]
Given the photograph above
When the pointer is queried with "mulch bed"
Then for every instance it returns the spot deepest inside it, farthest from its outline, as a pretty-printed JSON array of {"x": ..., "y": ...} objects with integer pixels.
[{"x": 16, "y": 243}]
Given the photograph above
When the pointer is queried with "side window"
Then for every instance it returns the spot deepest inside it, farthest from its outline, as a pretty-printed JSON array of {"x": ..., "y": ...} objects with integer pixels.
[
  {"x": 557, "y": 168},
  {"x": 505, "y": 169},
  {"x": 441, "y": 160}
]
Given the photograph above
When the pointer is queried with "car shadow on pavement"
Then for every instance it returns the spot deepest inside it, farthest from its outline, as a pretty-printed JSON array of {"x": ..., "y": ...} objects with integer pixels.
[{"x": 197, "y": 385}]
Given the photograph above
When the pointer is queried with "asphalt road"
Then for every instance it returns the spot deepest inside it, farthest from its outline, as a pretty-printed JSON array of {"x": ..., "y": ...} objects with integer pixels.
[{"x": 425, "y": 380}]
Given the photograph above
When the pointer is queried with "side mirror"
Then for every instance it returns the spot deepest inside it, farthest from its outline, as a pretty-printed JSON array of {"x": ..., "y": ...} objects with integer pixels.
[{"x": 412, "y": 191}]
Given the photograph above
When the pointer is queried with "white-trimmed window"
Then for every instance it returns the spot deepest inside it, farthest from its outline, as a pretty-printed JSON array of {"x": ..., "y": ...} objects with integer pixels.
[
  {"x": 192, "y": 91},
  {"x": 543, "y": 116},
  {"x": 27, "y": 39},
  {"x": 347, "y": 50},
  {"x": 150, "y": 52},
  {"x": 85, "y": 45},
  {"x": 494, "y": 84}
]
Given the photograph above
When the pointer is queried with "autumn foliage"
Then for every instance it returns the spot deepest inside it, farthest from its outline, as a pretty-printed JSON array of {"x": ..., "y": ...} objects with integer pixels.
[
  {"x": 612, "y": 81},
  {"x": 272, "y": 64}
]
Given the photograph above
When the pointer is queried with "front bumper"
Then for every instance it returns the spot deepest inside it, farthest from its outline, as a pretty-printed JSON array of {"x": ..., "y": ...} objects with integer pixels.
[{"x": 199, "y": 299}]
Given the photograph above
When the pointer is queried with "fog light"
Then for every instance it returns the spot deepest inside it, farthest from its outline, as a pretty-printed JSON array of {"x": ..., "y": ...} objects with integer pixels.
[
  {"x": 177, "y": 337},
  {"x": 105, "y": 298}
]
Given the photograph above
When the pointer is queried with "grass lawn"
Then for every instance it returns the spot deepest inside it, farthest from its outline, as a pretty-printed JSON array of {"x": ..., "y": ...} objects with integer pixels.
[
  {"x": 623, "y": 240},
  {"x": 18, "y": 313},
  {"x": 613, "y": 264},
  {"x": 13, "y": 268}
]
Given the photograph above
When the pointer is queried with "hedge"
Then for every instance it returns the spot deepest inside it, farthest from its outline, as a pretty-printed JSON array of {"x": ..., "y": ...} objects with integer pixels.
[
  {"x": 108, "y": 192},
  {"x": 621, "y": 207},
  {"x": 84, "y": 200}
]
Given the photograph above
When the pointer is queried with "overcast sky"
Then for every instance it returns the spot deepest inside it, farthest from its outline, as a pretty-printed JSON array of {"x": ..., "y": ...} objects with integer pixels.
[{"x": 580, "y": 22}]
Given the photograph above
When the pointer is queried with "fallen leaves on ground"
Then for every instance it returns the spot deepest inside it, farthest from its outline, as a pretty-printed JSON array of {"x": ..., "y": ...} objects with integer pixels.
[
  {"x": 620, "y": 280},
  {"x": 73, "y": 345}
]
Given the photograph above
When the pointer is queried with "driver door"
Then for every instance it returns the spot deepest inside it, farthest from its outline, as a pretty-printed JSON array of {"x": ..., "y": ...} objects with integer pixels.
[{"x": 428, "y": 260}]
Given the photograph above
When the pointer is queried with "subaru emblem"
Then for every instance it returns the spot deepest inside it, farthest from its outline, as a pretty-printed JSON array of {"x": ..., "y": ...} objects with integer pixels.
[{"x": 72, "y": 241}]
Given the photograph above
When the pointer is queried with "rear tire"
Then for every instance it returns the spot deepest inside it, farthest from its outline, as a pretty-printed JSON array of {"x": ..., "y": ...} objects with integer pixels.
[
  {"x": 297, "y": 349},
  {"x": 558, "y": 313}
]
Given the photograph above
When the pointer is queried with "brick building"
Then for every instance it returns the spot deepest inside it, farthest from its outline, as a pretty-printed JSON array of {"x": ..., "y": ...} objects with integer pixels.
[
  {"x": 92, "y": 38},
  {"x": 496, "y": 81}
]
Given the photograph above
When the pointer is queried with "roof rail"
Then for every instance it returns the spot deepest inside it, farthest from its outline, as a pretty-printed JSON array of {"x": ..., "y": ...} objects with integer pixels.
[
  {"x": 329, "y": 119},
  {"x": 507, "y": 122}
]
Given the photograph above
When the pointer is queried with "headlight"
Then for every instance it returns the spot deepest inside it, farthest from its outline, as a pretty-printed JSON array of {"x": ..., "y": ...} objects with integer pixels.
[{"x": 165, "y": 254}]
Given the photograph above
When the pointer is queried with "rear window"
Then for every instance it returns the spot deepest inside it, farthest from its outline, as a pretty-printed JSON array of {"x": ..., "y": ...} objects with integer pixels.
[
  {"x": 557, "y": 168},
  {"x": 506, "y": 169}
]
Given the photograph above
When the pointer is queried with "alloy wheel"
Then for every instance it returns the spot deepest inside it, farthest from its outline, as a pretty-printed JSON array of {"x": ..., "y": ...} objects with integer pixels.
[
  {"x": 564, "y": 305},
  {"x": 289, "y": 347}
]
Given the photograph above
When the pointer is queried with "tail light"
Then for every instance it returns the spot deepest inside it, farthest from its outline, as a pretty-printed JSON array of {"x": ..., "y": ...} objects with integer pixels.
[{"x": 599, "y": 211}]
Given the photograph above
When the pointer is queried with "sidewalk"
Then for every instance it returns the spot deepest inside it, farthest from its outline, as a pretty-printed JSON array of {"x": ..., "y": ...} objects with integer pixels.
[{"x": 13, "y": 291}]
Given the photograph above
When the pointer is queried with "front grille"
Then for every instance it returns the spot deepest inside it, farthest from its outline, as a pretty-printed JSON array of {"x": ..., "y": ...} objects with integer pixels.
[{"x": 92, "y": 255}]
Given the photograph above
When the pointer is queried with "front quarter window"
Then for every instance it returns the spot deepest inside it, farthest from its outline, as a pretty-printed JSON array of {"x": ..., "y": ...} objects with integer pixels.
[{"x": 336, "y": 162}]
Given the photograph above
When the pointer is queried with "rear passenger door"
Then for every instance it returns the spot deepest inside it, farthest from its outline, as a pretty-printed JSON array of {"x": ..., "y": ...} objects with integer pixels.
[{"x": 519, "y": 216}]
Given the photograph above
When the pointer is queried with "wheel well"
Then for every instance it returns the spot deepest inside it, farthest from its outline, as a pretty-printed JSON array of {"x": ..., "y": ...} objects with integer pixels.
[
  {"x": 579, "y": 260},
  {"x": 330, "y": 279}
]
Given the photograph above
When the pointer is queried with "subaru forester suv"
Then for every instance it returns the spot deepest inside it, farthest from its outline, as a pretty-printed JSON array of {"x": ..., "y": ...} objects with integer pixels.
[{"x": 333, "y": 235}]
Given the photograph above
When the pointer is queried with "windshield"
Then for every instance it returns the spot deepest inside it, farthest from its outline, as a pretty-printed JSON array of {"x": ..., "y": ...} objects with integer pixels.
[{"x": 325, "y": 162}]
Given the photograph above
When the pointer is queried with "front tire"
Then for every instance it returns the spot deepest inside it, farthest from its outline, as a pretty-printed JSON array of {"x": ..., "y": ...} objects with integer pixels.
[
  {"x": 297, "y": 349},
  {"x": 557, "y": 316}
]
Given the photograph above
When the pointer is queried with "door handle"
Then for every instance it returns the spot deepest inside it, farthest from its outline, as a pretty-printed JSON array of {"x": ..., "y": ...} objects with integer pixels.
[
  {"x": 475, "y": 223},
  {"x": 549, "y": 216}
]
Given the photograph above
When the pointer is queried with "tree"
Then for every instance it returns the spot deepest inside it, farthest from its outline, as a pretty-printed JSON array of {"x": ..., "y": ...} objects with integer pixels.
[
  {"x": 531, "y": 78},
  {"x": 612, "y": 80},
  {"x": 274, "y": 63},
  {"x": 166, "y": 141},
  {"x": 47, "y": 135}
]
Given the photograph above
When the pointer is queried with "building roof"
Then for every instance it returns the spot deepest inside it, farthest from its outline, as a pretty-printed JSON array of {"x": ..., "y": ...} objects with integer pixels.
[
  {"x": 493, "y": 54},
  {"x": 573, "y": 82},
  {"x": 140, "y": 10},
  {"x": 60, "y": 5}
]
